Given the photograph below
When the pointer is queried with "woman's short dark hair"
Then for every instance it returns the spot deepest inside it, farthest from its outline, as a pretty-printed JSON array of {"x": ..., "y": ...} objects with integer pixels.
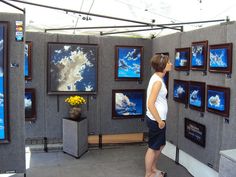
[{"x": 159, "y": 62}]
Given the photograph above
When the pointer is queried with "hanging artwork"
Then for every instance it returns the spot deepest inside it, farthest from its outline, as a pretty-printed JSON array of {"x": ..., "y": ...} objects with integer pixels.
[
  {"x": 199, "y": 56},
  {"x": 196, "y": 96},
  {"x": 218, "y": 100},
  {"x": 128, "y": 63},
  {"x": 72, "y": 68},
  {"x": 128, "y": 103},
  {"x": 30, "y": 108},
  {"x": 182, "y": 57},
  {"x": 220, "y": 57},
  {"x": 4, "y": 115},
  {"x": 28, "y": 60},
  {"x": 180, "y": 91}
]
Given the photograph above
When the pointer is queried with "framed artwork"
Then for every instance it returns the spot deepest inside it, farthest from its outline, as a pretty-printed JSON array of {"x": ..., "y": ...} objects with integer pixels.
[
  {"x": 128, "y": 103},
  {"x": 72, "y": 68},
  {"x": 218, "y": 100},
  {"x": 30, "y": 108},
  {"x": 128, "y": 63},
  {"x": 196, "y": 98},
  {"x": 182, "y": 57},
  {"x": 28, "y": 60},
  {"x": 220, "y": 57},
  {"x": 199, "y": 56},
  {"x": 4, "y": 114},
  {"x": 180, "y": 91},
  {"x": 195, "y": 132}
]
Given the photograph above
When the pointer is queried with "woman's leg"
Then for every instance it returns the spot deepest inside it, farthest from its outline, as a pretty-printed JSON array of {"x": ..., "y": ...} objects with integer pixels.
[
  {"x": 149, "y": 160},
  {"x": 157, "y": 155}
]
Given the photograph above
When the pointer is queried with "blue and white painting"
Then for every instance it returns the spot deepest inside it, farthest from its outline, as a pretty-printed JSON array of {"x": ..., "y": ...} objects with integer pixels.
[
  {"x": 218, "y": 58},
  {"x": 195, "y": 96},
  {"x": 28, "y": 104},
  {"x": 2, "y": 113},
  {"x": 129, "y": 103},
  {"x": 181, "y": 59},
  {"x": 73, "y": 67},
  {"x": 129, "y": 62},
  {"x": 180, "y": 91},
  {"x": 197, "y": 55},
  {"x": 216, "y": 100},
  {"x": 26, "y": 71}
]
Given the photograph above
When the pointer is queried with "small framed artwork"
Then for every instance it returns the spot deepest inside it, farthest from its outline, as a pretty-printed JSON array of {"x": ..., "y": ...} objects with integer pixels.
[
  {"x": 181, "y": 91},
  {"x": 72, "y": 68},
  {"x": 199, "y": 56},
  {"x": 128, "y": 63},
  {"x": 220, "y": 57},
  {"x": 195, "y": 132},
  {"x": 28, "y": 60},
  {"x": 128, "y": 103},
  {"x": 30, "y": 108},
  {"x": 196, "y": 96},
  {"x": 4, "y": 114},
  {"x": 218, "y": 100},
  {"x": 182, "y": 57}
]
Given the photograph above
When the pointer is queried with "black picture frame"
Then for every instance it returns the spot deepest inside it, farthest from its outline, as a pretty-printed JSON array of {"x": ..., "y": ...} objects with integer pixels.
[
  {"x": 128, "y": 103},
  {"x": 218, "y": 100},
  {"x": 4, "y": 106},
  {"x": 182, "y": 59},
  {"x": 72, "y": 68},
  {"x": 180, "y": 91},
  {"x": 195, "y": 132},
  {"x": 128, "y": 63},
  {"x": 220, "y": 58},
  {"x": 28, "y": 60},
  {"x": 30, "y": 104},
  {"x": 199, "y": 52},
  {"x": 196, "y": 97}
]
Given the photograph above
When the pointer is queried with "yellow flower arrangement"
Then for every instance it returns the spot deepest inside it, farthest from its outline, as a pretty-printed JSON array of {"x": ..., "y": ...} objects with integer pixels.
[{"x": 75, "y": 100}]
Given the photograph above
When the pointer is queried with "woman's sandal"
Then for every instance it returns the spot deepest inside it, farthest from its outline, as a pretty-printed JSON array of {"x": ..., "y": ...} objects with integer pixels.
[{"x": 162, "y": 173}]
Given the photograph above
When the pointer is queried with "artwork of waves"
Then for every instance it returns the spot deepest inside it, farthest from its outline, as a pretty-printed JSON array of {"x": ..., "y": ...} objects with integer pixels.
[
  {"x": 129, "y": 103},
  {"x": 195, "y": 96},
  {"x": 218, "y": 58},
  {"x": 181, "y": 59},
  {"x": 73, "y": 67},
  {"x": 129, "y": 62},
  {"x": 26, "y": 71},
  {"x": 197, "y": 55},
  {"x": 216, "y": 100},
  {"x": 179, "y": 91}
]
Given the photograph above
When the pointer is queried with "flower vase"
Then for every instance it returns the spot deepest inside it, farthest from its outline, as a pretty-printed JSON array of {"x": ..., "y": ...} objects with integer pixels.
[{"x": 75, "y": 113}]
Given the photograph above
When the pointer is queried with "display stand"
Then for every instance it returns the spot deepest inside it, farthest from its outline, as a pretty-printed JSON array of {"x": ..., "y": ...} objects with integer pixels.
[
  {"x": 227, "y": 163},
  {"x": 75, "y": 136}
]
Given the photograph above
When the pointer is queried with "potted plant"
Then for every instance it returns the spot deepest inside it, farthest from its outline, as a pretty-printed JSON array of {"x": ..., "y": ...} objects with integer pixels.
[{"x": 74, "y": 103}]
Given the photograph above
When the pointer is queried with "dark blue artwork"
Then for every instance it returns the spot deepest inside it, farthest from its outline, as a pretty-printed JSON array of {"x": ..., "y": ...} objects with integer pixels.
[
  {"x": 195, "y": 95},
  {"x": 26, "y": 60},
  {"x": 216, "y": 100},
  {"x": 2, "y": 103},
  {"x": 197, "y": 55},
  {"x": 73, "y": 68},
  {"x": 28, "y": 104},
  {"x": 129, "y": 62},
  {"x": 218, "y": 58},
  {"x": 180, "y": 90},
  {"x": 181, "y": 59}
]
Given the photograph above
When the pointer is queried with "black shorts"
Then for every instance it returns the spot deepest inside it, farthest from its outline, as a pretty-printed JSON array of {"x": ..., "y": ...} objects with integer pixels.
[{"x": 156, "y": 136}]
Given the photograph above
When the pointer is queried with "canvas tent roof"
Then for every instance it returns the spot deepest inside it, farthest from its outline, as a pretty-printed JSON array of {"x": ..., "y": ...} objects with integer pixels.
[{"x": 148, "y": 12}]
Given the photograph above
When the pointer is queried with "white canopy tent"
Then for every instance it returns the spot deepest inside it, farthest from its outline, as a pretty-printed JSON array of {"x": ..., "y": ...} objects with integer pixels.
[{"x": 65, "y": 14}]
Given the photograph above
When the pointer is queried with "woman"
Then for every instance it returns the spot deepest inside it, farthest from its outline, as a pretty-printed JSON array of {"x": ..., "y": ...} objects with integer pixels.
[{"x": 156, "y": 114}]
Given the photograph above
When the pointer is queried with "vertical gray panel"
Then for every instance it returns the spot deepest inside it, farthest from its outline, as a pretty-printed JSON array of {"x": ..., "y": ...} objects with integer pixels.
[{"x": 13, "y": 154}]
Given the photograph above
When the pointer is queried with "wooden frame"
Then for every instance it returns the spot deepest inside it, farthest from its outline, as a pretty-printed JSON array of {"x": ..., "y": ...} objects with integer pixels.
[
  {"x": 128, "y": 103},
  {"x": 180, "y": 91},
  {"x": 182, "y": 59},
  {"x": 72, "y": 68},
  {"x": 195, "y": 132},
  {"x": 28, "y": 60},
  {"x": 128, "y": 63},
  {"x": 196, "y": 97},
  {"x": 199, "y": 56},
  {"x": 220, "y": 58},
  {"x": 30, "y": 104},
  {"x": 218, "y": 100},
  {"x": 4, "y": 109}
]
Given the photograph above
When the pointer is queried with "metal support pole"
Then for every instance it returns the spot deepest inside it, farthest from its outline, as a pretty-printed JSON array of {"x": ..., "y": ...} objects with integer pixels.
[{"x": 13, "y": 6}]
